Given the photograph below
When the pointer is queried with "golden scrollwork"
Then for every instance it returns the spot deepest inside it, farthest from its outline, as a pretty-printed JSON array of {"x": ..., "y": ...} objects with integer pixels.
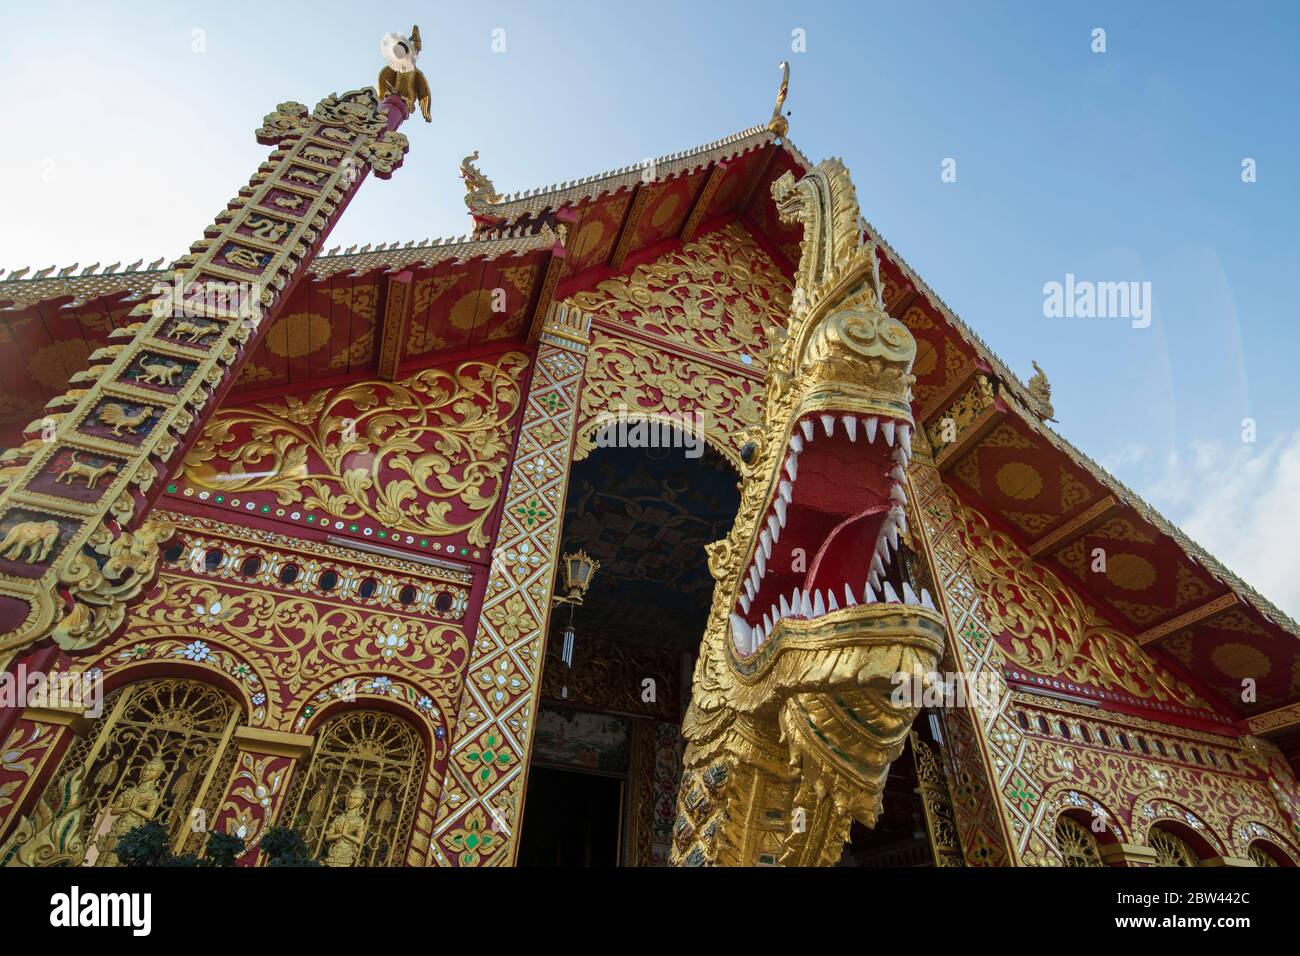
[
  {"x": 425, "y": 455},
  {"x": 722, "y": 294},
  {"x": 104, "y": 578},
  {"x": 624, "y": 376},
  {"x": 1046, "y": 628},
  {"x": 52, "y": 835},
  {"x": 300, "y": 640}
]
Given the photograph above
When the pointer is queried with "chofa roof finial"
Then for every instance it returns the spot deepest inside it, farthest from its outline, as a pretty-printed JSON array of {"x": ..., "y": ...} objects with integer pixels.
[{"x": 778, "y": 124}]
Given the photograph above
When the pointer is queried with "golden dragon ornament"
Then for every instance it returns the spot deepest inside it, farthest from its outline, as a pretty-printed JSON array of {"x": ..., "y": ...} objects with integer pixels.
[{"x": 821, "y": 609}]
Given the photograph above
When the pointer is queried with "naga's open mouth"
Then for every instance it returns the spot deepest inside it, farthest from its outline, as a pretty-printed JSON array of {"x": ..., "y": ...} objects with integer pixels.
[{"x": 832, "y": 534}]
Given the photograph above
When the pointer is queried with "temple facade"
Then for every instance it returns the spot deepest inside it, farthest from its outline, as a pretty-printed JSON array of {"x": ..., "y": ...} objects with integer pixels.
[{"x": 667, "y": 518}]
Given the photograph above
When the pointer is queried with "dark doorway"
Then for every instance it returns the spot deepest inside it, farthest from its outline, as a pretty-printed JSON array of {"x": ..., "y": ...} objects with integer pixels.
[{"x": 571, "y": 819}]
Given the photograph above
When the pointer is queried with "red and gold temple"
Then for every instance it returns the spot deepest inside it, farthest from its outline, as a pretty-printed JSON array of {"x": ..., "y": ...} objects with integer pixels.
[{"x": 312, "y": 547}]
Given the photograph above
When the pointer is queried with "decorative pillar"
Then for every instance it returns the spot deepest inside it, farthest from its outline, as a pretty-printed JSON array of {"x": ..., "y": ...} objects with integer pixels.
[
  {"x": 264, "y": 766},
  {"x": 482, "y": 795},
  {"x": 29, "y": 752},
  {"x": 977, "y": 800},
  {"x": 75, "y": 547}
]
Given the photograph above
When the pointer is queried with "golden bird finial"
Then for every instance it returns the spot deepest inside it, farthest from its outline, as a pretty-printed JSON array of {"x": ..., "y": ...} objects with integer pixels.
[
  {"x": 778, "y": 124},
  {"x": 401, "y": 75}
]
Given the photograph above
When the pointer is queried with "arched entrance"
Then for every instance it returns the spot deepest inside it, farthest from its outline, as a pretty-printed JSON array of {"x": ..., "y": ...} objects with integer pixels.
[{"x": 606, "y": 756}]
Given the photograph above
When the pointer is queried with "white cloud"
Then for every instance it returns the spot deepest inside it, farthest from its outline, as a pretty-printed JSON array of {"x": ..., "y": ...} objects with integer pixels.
[{"x": 1242, "y": 504}]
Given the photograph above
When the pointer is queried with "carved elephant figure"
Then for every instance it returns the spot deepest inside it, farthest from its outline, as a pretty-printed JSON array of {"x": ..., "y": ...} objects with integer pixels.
[{"x": 30, "y": 541}]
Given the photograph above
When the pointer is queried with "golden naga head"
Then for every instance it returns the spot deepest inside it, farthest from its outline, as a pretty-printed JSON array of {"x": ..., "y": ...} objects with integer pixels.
[
  {"x": 821, "y": 608},
  {"x": 820, "y": 602}
]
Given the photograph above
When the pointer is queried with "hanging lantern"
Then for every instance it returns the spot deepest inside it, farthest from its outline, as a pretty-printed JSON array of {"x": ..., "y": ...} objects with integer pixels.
[{"x": 579, "y": 568}]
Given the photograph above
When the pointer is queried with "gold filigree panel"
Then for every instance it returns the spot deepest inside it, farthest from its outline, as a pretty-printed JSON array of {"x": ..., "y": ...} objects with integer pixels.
[
  {"x": 424, "y": 456},
  {"x": 625, "y": 377},
  {"x": 722, "y": 294},
  {"x": 1044, "y": 627}
]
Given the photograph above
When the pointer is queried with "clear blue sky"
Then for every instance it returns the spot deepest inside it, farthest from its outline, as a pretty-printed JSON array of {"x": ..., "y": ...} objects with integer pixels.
[{"x": 122, "y": 142}]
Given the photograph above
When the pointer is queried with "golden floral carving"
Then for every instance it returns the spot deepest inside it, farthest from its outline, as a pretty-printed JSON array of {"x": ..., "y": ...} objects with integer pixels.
[
  {"x": 722, "y": 293},
  {"x": 638, "y": 380},
  {"x": 1045, "y": 626},
  {"x": 400, "y": 453}
]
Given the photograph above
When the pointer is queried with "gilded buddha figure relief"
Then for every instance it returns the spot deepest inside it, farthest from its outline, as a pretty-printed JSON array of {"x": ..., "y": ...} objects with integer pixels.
[
  {"x": 347, "y": 831},
  {"x": 134, "y": 805}
]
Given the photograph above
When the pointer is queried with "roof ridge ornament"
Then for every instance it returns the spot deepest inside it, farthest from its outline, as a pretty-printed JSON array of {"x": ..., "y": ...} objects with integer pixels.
[
  {"x": 480, "y": 193},
  {"x": 1040, "y": 389},
  {"x": 778, "y": 124},
  {"x": 401, "y": 75}
]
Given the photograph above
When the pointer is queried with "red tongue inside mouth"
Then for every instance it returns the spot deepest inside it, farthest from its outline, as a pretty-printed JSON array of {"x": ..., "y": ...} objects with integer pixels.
[
  {"x": 845, "y": 556},
  {"x": 840, "y": 502}
]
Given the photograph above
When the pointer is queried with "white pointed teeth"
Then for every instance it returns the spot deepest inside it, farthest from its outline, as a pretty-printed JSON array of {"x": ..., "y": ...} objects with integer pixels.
[
  {"x": 869, "y": 592},
  {"x": 805, "y": 606},
  {"x": 741, "y": 634},
  {"x": 828, "y": 423},
  {"x": 849, "y": 599},
  {"x": 785, "y": 607},
  {"x": 796, "y": 444},
  {"x": 896, "y": 493},
  {"x": 765, "y": 542},
  {"x": 745, "y": 638},
  {"x": 890, "y": 595},
  {"x": 744, "y": 603},
  {"x": 887, "y": 428},
  {"x": 897, "y": 473},
  {"x": 870, "y": 425},
  {"x": 905, "y": 436},
  {"x": 831, "y": 603},
  {"x": 909, "y": 596},
  {"x": 754, "y": 577},
  {"x": 902, "y": 454},
  {"x": 807, "y": 427},
  {"x": 851, "y": 426},
  {"x": 926, "y": 600},
  {"x": 774, "y": 528},
  {"x": 780, "y": 505},
  {"x": 760, "y": 562},
  {"x": 749, "y": 588},
  {"x": 877, "y": 565},
  {"x": 792, "y": 467},
  {"x": 818, "y": 604},
  {"x": 767, "y": 621},
  {"x": 786, "y": 491}
]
